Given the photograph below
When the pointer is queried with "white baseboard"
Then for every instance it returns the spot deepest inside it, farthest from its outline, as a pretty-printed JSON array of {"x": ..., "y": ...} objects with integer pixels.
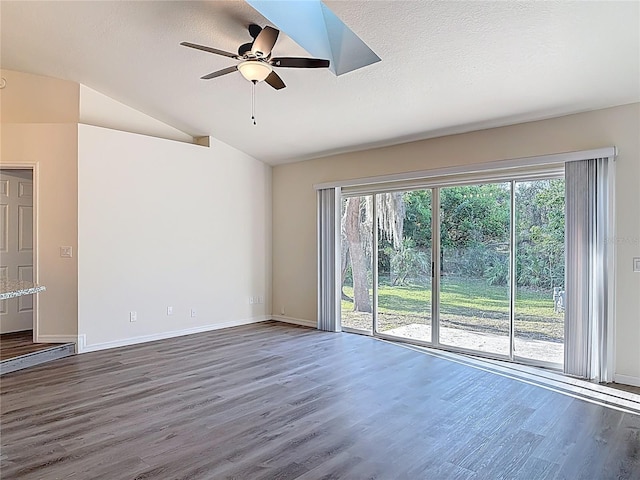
[
  {"x": 84, "y": 348},
  {"x": 627, "y": 380},
  {"x": 295, "y": 321}
]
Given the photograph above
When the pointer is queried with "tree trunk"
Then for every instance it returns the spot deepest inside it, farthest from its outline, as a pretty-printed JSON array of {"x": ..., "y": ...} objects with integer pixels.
[
  {"x": 344, "y": 264},
  {"x": 361, "y": 299}
]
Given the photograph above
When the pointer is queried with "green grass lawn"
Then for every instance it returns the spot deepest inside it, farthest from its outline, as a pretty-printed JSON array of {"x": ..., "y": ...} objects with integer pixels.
[{"x": 464, "y": 303}]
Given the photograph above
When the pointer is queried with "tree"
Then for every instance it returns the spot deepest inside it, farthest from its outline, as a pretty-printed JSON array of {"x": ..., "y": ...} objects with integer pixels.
[
  {"x": 474, "y": 214},
  {"x": 407, "y": 261},
  {"x": 417, "y": 223},
  {"x": 475, "y": 235},
  {"x": 352, "y": 225},
  {"x": 357, "y": 225},
  {"x": 474, "y": 230},
  {"x": 540, "y": 226}
]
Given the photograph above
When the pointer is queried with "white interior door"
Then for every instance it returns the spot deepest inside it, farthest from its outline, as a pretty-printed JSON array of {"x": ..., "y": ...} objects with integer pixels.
[{"x": 16, "y": 245}]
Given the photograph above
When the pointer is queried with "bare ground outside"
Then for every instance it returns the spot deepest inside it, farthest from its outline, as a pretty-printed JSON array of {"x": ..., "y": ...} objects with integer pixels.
[{"x": 473, "y": 315}]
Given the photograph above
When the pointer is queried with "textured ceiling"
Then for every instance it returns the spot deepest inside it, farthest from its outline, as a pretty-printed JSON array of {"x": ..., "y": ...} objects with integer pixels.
[{"x": 446, "y": 67}]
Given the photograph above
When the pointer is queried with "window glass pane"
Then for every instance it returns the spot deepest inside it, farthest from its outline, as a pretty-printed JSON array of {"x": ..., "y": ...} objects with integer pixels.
[
  {"x": 356, "y": 262},
  {"x": 474, "y": 292},
  {"x": 540, "y": 263},
  {"x": 404, "y": 264}
]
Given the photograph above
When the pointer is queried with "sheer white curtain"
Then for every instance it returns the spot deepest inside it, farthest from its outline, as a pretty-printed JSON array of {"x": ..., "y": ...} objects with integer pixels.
[
  {"x": 589, "y": 269},
  {"x": 329, "y": 281}
]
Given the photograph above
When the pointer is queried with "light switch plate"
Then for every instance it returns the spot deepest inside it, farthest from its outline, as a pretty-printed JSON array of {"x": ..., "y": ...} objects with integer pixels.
[{"x": 636, "y": 264}]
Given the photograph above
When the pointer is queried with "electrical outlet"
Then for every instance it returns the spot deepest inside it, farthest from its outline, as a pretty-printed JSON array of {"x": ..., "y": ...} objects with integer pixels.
[
  {"x": 133, "y": 316},
  {"x": 169, "y": 310},
  {"x": 66, "y": 252},
  {"x": 260, "y": 299},
  {"x": 636, "y": 264},
  {"x": 193, "y": 312}
]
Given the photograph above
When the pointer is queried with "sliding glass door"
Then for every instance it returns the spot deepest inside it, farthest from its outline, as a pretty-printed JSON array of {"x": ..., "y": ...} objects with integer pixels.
[
  {"x": 474, "y": 278},
  {"x": 540, "y": 264},
  {"x": 473, "y": 267},
  {"x": 404, "y": 264},
  {"x": 357, "y": 263}
]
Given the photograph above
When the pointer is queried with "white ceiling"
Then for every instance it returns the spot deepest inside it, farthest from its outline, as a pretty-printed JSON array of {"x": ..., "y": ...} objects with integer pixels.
[{"x": 446, "y": 67}]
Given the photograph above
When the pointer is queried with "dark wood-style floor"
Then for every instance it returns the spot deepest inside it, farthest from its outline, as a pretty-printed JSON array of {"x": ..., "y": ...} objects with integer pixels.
[
  {"x": 274, "y": 401},
  {"x": 20, "y": 343}
]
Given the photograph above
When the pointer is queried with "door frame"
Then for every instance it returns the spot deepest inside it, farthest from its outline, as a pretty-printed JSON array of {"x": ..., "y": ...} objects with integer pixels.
[{"x": 34, "y": 167}]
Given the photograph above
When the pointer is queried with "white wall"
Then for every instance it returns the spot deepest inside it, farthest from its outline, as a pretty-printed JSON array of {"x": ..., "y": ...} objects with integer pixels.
[
  {"x": 163, "y": 223},
  {"x": 294, "y": 203}
]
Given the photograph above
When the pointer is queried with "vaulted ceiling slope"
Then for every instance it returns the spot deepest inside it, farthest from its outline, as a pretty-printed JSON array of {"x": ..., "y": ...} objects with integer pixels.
[{"x": 446, "y": 67}]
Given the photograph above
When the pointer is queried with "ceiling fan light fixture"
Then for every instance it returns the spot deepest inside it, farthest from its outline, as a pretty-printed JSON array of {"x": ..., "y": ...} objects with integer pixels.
[{"x": 254, "y": 71}]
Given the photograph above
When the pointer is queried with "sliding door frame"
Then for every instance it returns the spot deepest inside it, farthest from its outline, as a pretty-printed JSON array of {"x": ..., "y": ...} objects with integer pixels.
[
  {"x": 513, "y": 286},
  {"x": 374, "y": 266},
  {"x": 436, "y": 268}
]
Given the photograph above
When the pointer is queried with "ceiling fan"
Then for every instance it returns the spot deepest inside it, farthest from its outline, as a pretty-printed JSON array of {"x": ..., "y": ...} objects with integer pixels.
[{"x": 257, "y": 63}]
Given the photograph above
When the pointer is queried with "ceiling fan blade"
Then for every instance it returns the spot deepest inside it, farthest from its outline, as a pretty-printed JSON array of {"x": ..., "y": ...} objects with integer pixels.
[
  {"x": 264, "y": 42},
  {"x": 275, "y": 81},
  {"x": 209, "y": 49},
  {"x": 298, "y": 62},
  {"x": 244, "y": 49},
  {"x": 219, "y": 73},
  {"x": 254, "y": 30}
]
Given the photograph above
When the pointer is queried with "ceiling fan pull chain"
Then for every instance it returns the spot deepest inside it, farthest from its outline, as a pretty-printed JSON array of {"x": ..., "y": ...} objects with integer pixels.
[{"x": 253, "y": 101}]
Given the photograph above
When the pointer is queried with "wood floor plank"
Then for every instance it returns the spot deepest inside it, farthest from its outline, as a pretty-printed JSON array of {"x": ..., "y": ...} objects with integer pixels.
[
  {"x": 274, "y": 401},
  {"x": 17, "y": 344}
]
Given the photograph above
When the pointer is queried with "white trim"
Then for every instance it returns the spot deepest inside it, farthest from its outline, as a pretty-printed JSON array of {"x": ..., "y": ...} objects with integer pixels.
[
  {"x": 35, "y": 179},
  {"x": 84, "y": 348},
  {"x": 626, "y": 380},
  {"x": 295, "y": 321},
  {"x": 544, "y": 172},
  {"x": 319, "y": 245},
  {"x": 554, "y": 159}
]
